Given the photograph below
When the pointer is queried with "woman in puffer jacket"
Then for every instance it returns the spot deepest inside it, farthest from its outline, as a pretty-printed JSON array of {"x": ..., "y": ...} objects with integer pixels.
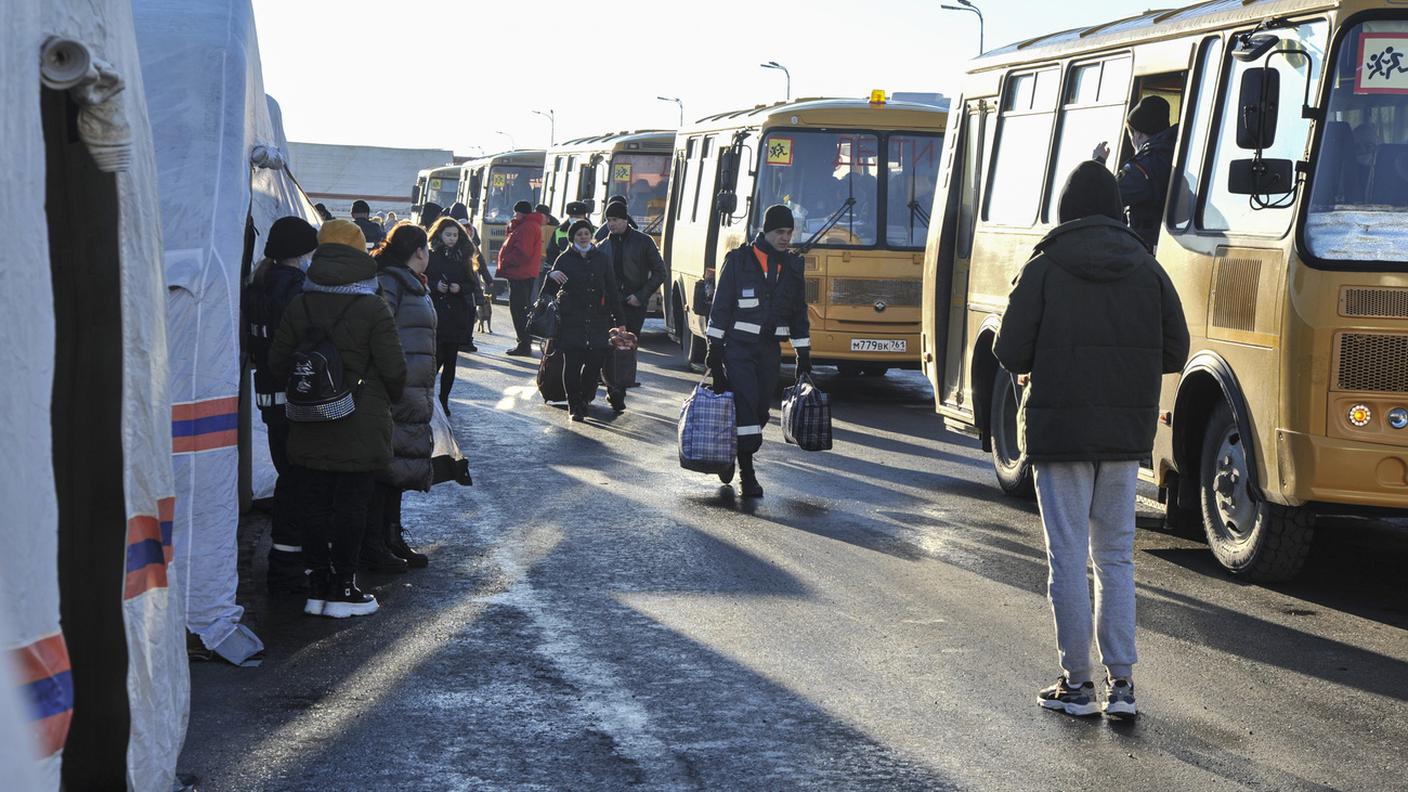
[
  {"x": 401, "y": 260},
  {"x": 456, "y": 293}
]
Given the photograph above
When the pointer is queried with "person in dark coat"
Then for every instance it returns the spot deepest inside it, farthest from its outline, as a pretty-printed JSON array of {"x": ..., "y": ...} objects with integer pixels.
[
  {"x": 589, "y": 307},
  {"x": 761, "y": 298},
  {"x": 639, "y": 272},
  {"x": 1143, "y": 181},
  {"x": 1091, "y": 326},
  {"x": 456, "y": 291},
  {"x": 402, "y": 260},
  {"x": 630, "y": 221},
  {"x": 429, "y": 213},
  {"x": 561, "y": 240},
  {"x": 361, "y": 215},
  {"x": 276, "y": 281},
  {"x": 336, "y": 461},
  {"x": 519, "y": 263}
]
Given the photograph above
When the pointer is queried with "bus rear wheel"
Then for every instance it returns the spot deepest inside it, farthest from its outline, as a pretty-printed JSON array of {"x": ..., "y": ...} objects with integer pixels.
[
  {"x": 692, "y": 346},
  {"x": 1251, "y": 538},
  {"x": 1014, "y": 473}
]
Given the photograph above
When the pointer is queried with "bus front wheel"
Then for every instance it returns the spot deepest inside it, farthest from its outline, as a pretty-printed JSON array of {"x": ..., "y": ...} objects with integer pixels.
[
  {"x": 1251, "y": 538},
  {"x": 1014, "y": 473}
]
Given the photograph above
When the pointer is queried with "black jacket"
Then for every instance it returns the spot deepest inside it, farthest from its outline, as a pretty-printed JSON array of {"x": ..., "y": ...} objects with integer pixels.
[
  {"x": 270, "y": 291},
  {"x": 642, "y": 271},
  {"x": 1096, "y": 322},
  {"x": 455, "y": 312},
  {"x": 749, "y": 306},
  {"x": 370, "y": 229},
  {"x": 1144, "y": 184},
  {"x": 589, "y": 303}
]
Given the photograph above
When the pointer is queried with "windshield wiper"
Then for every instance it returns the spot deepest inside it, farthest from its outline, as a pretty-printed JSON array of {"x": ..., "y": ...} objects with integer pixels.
[
  {"x": 828, "y": 225},
  {"x": 653, "y": 224}
]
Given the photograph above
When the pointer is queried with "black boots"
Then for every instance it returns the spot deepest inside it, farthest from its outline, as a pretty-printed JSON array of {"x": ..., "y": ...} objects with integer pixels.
[
  {"x": 617, "y": 399},
  {"x": 726, "y": 476},
  {"x": 397, "y": 545},
  {"x": 578, "y": 411},
  {"x": 317, "y": 592},
  {"x": 376, "y": 553},
  {"x": 344, "y": 599},
  {"x": 748, "y": 480},
  {"x": 522, "y": 350}
]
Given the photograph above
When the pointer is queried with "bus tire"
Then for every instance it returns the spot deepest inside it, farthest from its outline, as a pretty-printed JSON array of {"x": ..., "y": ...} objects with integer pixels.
[
  {"x": 875, "y": 370},
  {"x": 1251, "y": 538},
  {"x": 1014, "y": 472},
  {"x": 693, "y": 347}
]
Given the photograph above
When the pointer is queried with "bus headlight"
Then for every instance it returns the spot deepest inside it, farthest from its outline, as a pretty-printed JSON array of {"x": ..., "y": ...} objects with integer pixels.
[
  {"x": 1360, "y": 415},
  {"x": 1398, "y": 418}
]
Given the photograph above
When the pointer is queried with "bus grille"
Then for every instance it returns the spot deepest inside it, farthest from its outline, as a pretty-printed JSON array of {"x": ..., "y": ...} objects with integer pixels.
[
  {"x": 1235, "y": 293},
  {"x": 813, "y": 290},
  {"x": 866, "y": 291},
  {"x": 1373, "y": 362},
  {"x": 1375, "y": 303}
]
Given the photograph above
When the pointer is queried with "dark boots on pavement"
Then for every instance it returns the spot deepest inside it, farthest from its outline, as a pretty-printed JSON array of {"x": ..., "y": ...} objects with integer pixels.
[
  {"x": 376, "y": 554},
  {"x": 405, "y": 552},
  {"x": 747, "y": 479},
  {"x": 344, "y": 599}
]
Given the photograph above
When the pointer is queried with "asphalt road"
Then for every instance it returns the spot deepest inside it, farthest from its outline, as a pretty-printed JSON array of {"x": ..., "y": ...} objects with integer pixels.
[{"x": 596, "y": 618}]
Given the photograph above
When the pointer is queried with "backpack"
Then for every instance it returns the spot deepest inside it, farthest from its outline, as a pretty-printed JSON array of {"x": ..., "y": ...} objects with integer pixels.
[{"x": 317, "y": 389}]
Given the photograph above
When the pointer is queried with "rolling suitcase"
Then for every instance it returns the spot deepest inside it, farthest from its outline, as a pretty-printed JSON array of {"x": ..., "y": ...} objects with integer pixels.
[{"x": 550, "y": 369}]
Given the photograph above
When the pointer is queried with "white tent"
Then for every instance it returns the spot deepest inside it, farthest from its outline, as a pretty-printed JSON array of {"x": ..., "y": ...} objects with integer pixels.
[
  {"x": 222, "y": 177},
  {"x": 98, "y": 70}
]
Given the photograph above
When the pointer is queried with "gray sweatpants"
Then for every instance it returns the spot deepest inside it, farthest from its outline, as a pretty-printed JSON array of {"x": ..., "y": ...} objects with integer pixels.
[{"x": 1087, "y": 510}]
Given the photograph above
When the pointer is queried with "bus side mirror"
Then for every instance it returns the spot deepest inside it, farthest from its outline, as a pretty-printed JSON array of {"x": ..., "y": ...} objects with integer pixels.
[
  {"x": 727, "y": 203},
  {"x": 1261, "y": 177},
  {"x": 474, "y": 202},
  {"x": 1258, "y": 105},
  {"x": 703, "y": 298},
  {"x": 728, "y": 169}
]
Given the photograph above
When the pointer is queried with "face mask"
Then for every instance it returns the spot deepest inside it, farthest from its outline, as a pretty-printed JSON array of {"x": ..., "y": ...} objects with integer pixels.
[{"x": 581, "y": 247}]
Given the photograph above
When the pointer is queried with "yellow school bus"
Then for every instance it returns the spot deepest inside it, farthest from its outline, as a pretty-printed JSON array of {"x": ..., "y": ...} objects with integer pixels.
[
  {"x": 1285, "y": 232},
  {"x": 434, "y": 185},
  {"x": 859, "y": 177},
  {"x": 490, "y": 186}
]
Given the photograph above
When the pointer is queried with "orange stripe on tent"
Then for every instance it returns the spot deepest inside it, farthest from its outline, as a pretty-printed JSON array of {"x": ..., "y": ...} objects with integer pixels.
[
  {"x": 140, "y": 581},
  {"x": 205, "y": 442},
  {"x": 42, "y": 659},
  {"x": 166, "y": 509},
  {"x": 141, "y": 528},
  {"x": 190, "y": 411},
  {"x": 51, "y": 732}
]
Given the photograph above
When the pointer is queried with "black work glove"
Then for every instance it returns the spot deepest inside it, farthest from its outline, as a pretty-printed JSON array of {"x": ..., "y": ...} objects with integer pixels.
[
  {"x": 804, "y": 362},
  {"x": 714, "y": 362}
]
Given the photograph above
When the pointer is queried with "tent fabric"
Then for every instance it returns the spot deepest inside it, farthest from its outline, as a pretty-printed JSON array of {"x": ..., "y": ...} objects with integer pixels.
[
  {"x": 36, "y": 657},
  {"x": 209, "y": 115}
]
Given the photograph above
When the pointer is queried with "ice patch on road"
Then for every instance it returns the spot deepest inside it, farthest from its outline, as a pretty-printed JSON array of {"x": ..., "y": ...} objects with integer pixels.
[{"x": 514, "y": 394}]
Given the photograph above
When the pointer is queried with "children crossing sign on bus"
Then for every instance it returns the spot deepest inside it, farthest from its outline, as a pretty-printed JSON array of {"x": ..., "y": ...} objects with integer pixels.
[{"x": 1381, "y": 64}]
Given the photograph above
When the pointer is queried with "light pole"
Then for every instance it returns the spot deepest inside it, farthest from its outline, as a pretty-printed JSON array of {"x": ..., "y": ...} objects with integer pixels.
[
  {"x": 776, "y": 65},
  {"x": 967, "y": 5},
  {"x": 551, "y": 116},
  {"x": 511, "y": 145},
  {"x": 677, "y": 101}
]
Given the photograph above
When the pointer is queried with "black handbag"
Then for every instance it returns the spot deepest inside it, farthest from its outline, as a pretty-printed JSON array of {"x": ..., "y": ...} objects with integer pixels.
[{"x": 543, "y": 322}]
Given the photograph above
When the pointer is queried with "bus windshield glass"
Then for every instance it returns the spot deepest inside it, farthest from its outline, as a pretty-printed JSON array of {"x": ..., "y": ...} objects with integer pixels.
[
  {"x": 509, "y": 184},
  {"x": 830, "y": 181},
  {"x": 441, "y": 191},
  {"x": 913, "y": 171},
  {"x": 644, "y": 180},
  {"x": 1358, "y": 206}
]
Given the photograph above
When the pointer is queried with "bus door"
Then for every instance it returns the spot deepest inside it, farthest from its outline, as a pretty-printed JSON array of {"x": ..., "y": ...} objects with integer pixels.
[{"x": 975, "y": 136}]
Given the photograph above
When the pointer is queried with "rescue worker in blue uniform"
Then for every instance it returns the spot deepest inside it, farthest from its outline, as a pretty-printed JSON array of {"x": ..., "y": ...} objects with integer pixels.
[
  {"x": 1144, "y": 179},
  {"x": 760, "y": 299}
]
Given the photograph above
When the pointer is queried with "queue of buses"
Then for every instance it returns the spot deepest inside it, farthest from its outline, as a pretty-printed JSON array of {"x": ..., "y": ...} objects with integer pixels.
[{"x": 1285, "y": 232}]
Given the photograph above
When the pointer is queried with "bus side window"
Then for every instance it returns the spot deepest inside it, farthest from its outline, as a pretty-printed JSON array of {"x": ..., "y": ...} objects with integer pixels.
[
  {"x": 1187, "y": 173},
  {"x": 689, "y": 147},
  {"x": 971, "y": 186},
  {"x": 1028, "y": 111},
  {"x": 1092, "y": 112},
  {"x": 700, "y": 188}
]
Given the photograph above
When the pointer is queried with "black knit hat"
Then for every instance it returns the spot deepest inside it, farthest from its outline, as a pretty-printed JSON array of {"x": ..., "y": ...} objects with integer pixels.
[
  {"x": 429, "y": 213},
  {"x": 460, "y": 212},
  {"x": 578, "y": 225},
  {"x": 778, "y": 216},
  {"x": 618, "y": 211},
  {"x": 576, "y": 208},
  {"x": 616, "y": 199},
  {"x": 523, "y": 207},
  {"x": 1090, "y": 191},
  {"x": 290, "y": 237},
  {"x": 1150, "y": 116},
  {"x": 360, "y": 207}
]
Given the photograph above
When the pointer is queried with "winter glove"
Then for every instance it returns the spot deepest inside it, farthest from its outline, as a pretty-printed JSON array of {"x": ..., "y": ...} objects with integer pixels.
[
  {"x": 804, "y": 362},
  {"x": 714, "y": 362}
]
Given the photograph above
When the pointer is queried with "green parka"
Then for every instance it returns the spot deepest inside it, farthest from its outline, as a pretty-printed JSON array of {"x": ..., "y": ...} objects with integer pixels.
[{"x": 366, "y": 338}]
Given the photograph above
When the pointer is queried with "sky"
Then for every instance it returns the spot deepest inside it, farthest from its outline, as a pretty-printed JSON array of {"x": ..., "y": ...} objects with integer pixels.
[{"x": 454, "y": 74}]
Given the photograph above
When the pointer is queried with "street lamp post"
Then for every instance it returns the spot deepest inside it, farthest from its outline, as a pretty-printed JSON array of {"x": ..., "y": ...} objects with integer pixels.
[
  {"x": 677, "y": 101},
  {"x": 551, "y": 116},
  {"x": 776, "y": 65},
  {"x": 511, "y": 145},
  {"x": 967, "y": 5}
]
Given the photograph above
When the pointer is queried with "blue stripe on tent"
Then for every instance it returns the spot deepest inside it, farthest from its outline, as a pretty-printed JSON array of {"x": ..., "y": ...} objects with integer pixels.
[
  {"x": 49, "y": 696},
  {"x": 200, "y": 426},
  {"x": 166, "y": 533},
  {"x": 147, "y": 551}
]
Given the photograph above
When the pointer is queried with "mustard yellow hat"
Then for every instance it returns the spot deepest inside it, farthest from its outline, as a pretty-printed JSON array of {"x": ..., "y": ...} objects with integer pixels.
[{"x": 342, "y": 232}]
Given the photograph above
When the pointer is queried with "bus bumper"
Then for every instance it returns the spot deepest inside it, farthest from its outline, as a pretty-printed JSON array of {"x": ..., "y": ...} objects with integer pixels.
[
  {"x": 830, "y": 347},
  {"x": 1328, "y": 471}
]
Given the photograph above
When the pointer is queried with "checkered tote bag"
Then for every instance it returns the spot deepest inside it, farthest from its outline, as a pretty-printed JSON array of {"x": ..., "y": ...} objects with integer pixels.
[
  {"x": 806, "y": 416},
  {"x": 708, "y": 431}
]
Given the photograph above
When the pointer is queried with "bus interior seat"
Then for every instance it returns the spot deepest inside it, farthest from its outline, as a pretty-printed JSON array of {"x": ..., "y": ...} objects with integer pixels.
[
  {"x": 1388, "y": 176},
  {"x": 1335, "y": 174}
]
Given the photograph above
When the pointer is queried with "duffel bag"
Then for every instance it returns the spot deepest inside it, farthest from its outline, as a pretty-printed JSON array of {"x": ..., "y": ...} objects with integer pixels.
[
  {"x": 550, "y": 371},
  {"x": 620, "y": 369},
  {"x": 708, "y": 430},
  {"x": 806, "y": 415},
  {"x": 543, "y": 321}
]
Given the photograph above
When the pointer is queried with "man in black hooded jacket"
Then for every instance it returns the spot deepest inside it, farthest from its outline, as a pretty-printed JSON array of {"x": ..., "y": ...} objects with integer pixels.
[{"x": 1092, "y": 323}]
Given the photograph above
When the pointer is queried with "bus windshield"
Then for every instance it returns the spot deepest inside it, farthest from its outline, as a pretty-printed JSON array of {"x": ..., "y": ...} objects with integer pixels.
[
  {"x": 509, "y": 184},
  {"x": 441, "y": 191},
  {"x": 644, "y": 180},
  {"x": 1358, "y": 207},
  {"x": 913, "y": 172},
  {"x": 830, "y": 180}
]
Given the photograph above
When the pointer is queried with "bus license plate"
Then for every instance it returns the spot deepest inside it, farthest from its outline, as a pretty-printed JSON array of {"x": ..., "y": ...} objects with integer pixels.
[{"x": 879, "y": 345}]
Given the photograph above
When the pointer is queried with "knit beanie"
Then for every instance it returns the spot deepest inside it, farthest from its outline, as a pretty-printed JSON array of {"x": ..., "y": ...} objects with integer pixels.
[
  {"x": 459, "y": 211},
  {"x": 578, "y": 226},
  {"x": 290, "y": 237},
  {"x": 360, "y": 207},
  {"x": 523, "y": 207},
  {"x": 618, "y": 211},
  {"x": 1150, "y": 116},
  {"x": 342, "y": 232},
  {"x": 616, "y": 199},
  {"x": 778, "y": 216},
  {"x": 1090, "y": 191}
]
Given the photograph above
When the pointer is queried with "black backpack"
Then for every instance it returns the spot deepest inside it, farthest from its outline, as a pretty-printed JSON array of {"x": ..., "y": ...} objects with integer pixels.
[{"x": 318, "y": 387}]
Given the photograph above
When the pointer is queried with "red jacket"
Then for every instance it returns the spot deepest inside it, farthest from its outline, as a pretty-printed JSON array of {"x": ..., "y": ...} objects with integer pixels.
[{"x": 522, "y": 254}]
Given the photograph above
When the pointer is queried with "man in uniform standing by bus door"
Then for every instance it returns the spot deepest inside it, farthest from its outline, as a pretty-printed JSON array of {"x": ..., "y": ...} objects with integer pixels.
[{"x": 1144, "y": 179}]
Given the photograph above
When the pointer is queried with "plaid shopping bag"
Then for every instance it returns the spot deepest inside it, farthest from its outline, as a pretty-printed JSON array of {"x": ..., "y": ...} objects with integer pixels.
[
  {"x": 708, "y": 431},
  {"x": 806, "y": 416}
]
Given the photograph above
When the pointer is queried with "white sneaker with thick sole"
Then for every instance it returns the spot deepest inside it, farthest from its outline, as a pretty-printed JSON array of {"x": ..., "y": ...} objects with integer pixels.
[
  {"x": 1062, "y": 696},
  {"x": 1119, "y": 699}
]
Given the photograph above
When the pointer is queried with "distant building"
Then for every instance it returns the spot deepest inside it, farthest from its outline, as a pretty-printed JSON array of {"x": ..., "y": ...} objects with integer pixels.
[{"x": 335, "y": 176}]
